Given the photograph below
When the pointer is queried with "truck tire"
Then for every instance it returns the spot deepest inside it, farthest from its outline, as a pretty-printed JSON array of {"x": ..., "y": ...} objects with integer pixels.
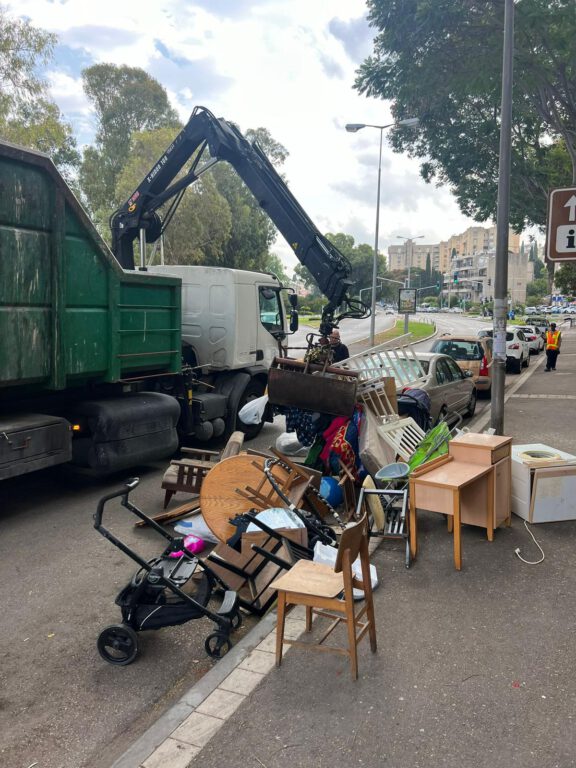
[{"x": 255, "y": 388}]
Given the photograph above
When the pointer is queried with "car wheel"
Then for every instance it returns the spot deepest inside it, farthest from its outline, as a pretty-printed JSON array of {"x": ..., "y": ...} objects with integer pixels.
[
  {"x": 471, "y": 405},
  {"x": 526, "y": 362},
  {"x": 442, "y": 414},
  {"x": 485, "y": 394},
  {"x": 516, "y": 365}
]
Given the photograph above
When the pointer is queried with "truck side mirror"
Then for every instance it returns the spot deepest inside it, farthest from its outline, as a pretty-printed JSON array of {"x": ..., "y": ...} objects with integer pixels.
[
  {"x": 293, "y": 299},
  {"x": 293, "y": 319}
]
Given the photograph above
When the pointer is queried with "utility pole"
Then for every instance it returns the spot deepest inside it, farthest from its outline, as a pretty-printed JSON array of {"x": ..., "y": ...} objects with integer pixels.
[{"x": 502, "y": 225}]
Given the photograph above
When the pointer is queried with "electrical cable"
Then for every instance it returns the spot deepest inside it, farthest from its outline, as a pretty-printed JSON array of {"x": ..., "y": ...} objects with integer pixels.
[{"x": 517, "y": 550}]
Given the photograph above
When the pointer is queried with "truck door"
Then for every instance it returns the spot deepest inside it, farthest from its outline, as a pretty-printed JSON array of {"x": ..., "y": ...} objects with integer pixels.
[{"x": 271, "y": 321}]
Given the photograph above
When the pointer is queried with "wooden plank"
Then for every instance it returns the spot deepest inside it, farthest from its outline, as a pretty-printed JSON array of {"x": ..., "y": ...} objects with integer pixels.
[{"x": 189, "y": 508}]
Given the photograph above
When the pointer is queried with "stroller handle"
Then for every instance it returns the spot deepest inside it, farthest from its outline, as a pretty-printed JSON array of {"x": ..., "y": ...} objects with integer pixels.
[{"x": 129, "y": 485}]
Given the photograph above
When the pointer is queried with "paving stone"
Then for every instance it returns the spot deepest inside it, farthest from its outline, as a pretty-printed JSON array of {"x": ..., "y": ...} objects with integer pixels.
[
  {"x": 258, "y": 661},
  {"x": 198, "y": 729},
  {"x": 241, "y": 681},
  {"x": 171, "y": 754},
  {"x": 221, "y": 703}
]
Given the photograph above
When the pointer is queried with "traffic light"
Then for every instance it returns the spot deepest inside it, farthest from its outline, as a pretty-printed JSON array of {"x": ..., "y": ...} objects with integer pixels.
[
  {"x": 489, "y": 281},
  {"x": 455, "y": 277}
]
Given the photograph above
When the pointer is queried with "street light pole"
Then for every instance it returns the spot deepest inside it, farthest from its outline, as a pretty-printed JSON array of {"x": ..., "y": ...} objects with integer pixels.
[
  {"x": 410, "y": 122},
  {"x": 375, "y": 260}
]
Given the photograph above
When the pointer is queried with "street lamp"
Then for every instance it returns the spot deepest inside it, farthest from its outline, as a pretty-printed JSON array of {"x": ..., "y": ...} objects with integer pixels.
[
  {"x": 409, "y": 264},
  {"x": 409, "y": 122}
]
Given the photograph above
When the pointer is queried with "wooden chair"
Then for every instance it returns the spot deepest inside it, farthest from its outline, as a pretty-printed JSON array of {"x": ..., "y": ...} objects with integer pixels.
[
  {"x": 329, "y": 592},
  {"x": 187, "y": 474}
]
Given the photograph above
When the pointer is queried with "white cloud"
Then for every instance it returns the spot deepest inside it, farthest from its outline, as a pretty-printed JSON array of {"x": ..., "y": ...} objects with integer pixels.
[{"x": 287, "y": 65}]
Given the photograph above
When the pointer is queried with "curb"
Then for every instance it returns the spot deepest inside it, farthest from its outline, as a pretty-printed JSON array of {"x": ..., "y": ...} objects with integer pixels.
[{"x": 153, "y": 739}]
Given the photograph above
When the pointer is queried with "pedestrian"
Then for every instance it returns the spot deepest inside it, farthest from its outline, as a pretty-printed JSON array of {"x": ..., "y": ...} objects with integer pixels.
[
  {"x": 553, "y": 342},
  {"x": 339, "y": 350}
]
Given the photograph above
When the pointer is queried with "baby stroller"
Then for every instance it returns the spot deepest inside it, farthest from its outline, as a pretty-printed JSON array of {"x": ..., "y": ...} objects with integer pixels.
[{"x": 155, "y": 596}]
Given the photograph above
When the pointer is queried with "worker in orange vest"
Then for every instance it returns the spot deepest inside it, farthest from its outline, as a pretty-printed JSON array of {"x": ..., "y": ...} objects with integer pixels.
[{"x": 553, "y": 342}]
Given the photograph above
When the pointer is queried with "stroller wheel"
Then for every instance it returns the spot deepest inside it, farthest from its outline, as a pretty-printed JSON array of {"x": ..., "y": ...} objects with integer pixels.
[
  {"x": 217, "y": 645},
  {"x": 118, "y": 644},
  {"x": 236, "y": 620}
]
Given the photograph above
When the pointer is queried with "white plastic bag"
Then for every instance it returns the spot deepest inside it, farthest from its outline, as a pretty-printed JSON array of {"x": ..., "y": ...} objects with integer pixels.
[
  {"x": 197, "y": 526},
  {"x": 323, "y": 553},
  {"x": 288, "y": 444},
  {"x": 253, "y": 411}
]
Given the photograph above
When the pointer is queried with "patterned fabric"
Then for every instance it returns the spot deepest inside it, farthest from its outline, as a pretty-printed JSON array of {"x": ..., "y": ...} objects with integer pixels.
[
  {"x": 342, "y": 444},
  {"x": 302, "y": 423}
]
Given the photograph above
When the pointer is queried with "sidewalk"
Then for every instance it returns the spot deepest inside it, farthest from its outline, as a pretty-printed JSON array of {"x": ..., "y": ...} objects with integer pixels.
[{"x": 473, "y": 667}]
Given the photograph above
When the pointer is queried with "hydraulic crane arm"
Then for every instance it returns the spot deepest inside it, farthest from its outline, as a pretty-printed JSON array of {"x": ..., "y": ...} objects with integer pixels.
[{"x": 138, "y": 217}]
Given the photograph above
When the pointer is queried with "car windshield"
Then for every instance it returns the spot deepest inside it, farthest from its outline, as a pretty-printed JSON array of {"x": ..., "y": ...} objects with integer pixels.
[{"x": 458, "y": 349}]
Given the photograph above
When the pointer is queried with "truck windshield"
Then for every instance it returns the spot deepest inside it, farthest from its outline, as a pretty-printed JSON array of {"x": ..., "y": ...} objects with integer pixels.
[{"x": 270, "y": 309}]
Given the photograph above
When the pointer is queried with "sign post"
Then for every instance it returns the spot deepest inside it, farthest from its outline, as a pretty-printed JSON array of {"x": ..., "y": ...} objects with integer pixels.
[{"x": 561, "y": 225}]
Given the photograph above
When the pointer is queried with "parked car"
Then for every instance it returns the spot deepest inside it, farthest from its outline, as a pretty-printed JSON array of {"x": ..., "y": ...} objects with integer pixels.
[
  {"x": 470, "y": 354},
  {"x": 540, "y": 323},
  {"x": 533, "y": 337},
  {"x": 449, "y": 388},
  {"x": 517, "y": 349},
  {"x": 531, "y": 311}
]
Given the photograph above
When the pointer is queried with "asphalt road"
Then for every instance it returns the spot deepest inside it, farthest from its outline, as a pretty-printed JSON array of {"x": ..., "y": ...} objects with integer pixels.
[{"x": 61, "y": 705}]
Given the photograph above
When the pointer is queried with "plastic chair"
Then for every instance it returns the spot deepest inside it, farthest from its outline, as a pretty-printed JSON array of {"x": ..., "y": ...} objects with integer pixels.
[{"x": 329, "y": 593}]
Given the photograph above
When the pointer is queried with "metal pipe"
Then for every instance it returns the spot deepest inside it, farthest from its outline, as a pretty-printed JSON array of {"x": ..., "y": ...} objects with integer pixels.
[{"x": 502, "y": 225}]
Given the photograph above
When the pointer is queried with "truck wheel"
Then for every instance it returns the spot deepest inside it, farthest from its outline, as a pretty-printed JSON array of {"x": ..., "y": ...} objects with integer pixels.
[{"x": 253, "y": 390}]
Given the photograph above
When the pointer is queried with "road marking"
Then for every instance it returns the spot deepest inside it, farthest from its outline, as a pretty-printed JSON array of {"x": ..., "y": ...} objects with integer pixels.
[
  {"x": 478, "y": 425},
  {"x": 546, "y": 397}
]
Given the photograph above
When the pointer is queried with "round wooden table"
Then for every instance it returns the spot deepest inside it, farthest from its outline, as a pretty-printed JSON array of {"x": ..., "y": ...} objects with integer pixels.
[{"x": 219, "y": 500}]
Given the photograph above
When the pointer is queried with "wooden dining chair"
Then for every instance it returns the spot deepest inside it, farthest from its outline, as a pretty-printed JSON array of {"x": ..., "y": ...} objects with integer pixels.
[{"x": 328, "y": 592}]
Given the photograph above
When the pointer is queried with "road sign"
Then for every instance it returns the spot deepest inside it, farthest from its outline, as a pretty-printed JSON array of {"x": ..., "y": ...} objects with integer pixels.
[{"x": 561, "y": 225}]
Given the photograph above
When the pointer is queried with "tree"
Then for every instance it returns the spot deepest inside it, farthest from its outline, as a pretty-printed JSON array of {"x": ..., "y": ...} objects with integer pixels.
[
  {"x": 253, "y": 232},
  {"x": 27, "y": 115},
  {"x": 275, "y": 265},
  {"x": 126, "y": 100},
  {"x": 441, "y": 61},
  {"x": 537, "y": 289},
  {"x": 565, "y": 278},
  {"x": 23, "y": 51}
]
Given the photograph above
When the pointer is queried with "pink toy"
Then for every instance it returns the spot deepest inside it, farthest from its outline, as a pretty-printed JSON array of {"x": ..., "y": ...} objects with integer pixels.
[{"x": 193, "y": 544}]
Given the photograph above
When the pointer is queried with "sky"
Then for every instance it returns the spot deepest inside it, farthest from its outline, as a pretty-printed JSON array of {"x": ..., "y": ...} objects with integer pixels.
[{"x": 285, "y": 65}]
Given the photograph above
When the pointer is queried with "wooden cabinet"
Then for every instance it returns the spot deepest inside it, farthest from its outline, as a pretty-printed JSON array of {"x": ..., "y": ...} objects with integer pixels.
[{"x": 486, "y": 450}]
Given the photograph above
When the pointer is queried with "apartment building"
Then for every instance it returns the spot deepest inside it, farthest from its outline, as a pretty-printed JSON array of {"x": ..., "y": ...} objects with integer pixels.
[
  {"x": 471, "y": 277},
  {"x": 414, "y": 254},
  {"x": 474, "y": 240}
]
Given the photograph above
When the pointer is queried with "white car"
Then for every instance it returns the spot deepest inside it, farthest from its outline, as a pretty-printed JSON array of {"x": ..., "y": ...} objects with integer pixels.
[
  {"x": 517, "y": 348},
  {"x": 533, "y": 337},
  {"x": 531, "y": 311}
]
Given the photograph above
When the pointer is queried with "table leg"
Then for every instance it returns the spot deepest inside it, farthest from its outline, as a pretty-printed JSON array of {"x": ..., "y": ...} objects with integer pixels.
[
  {"x": 413, "y": 524},
  {"x": 457, "y": 539},
  {"x": 490, "y": 514}
]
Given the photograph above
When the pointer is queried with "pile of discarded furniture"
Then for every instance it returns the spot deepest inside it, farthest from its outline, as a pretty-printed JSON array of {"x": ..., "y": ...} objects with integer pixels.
[{"x": 269, "y": 516}]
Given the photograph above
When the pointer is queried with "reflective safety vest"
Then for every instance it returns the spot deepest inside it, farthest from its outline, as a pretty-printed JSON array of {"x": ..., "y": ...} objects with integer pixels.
[{"x": 552, "y": 339}]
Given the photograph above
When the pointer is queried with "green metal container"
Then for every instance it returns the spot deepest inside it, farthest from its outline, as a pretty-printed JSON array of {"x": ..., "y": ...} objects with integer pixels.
[{"x": 69, "y": 314}]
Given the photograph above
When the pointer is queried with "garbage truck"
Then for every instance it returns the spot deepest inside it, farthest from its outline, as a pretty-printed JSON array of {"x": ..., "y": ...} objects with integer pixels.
[{"x": 109, "y": 366}]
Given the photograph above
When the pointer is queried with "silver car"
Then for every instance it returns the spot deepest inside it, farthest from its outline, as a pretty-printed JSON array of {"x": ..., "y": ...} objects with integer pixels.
[{"x": 449, "y": 388}]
